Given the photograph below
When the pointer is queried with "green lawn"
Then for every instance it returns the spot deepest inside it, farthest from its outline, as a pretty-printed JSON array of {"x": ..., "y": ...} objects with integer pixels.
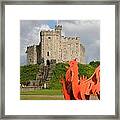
[
  {"x": 44, "y": 94},
  {"x": 41, "y": 97}
]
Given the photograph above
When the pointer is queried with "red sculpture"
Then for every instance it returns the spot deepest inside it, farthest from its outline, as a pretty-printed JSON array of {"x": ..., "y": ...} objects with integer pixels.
[{"x": 75, "y": 88}]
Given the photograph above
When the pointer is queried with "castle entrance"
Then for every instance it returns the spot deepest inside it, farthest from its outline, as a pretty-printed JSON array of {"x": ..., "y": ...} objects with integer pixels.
[{"x": 48, "y": 62}]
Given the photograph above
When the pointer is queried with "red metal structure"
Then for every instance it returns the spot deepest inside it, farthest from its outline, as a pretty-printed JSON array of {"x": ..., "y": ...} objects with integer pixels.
[{"x": 75, "y": 88}]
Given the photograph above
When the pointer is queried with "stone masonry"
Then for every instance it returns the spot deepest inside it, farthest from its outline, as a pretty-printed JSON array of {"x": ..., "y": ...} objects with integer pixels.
[{"x": 55, "y": 48}]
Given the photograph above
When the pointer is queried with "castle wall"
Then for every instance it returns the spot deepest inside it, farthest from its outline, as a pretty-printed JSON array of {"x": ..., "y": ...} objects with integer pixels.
[
  {"x": 55, "y": 47},
  {"x": 50, "y": 45},
  {"x": 38, "y": 50},
  {"x": 31, "y": 55},
  {"x": 82, "y": 54},
  {"x": 70, "y": 48}
]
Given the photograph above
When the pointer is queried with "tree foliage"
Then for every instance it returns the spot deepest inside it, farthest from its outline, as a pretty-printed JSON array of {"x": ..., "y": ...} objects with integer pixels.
[
  {"x": 86, "y": 70},
  {"x": 56, "y": 74},
  {"x": 28, "y": 72},
  {"x": 60, "y": 69},
  {"x": 94, "y": 63}
]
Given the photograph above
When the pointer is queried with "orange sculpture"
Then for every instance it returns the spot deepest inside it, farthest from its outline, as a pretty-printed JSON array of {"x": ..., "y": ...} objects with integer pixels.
[{"x": 74, "y": 88}]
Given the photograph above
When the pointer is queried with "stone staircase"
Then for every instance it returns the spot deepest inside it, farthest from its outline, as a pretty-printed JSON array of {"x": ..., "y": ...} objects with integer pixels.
[{"x": 44, "y": 75}]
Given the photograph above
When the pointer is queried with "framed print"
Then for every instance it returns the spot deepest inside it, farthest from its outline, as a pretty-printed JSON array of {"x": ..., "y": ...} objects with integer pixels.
[{"x": 60, "y": 60}]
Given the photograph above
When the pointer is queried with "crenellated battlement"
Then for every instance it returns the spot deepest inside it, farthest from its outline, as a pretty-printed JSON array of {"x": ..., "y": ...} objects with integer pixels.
[
  {"x": 54, "y": 47},
  {"x": 49, "y": 33},
  {"x": 70, "y": 38},
  {"x": 58, "y": 27},
  {"x": 31, "y": 46}
]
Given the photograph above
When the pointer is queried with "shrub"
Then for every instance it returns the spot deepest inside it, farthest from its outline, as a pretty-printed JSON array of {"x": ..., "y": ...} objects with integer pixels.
[
  {"x": 28, "y": 72},
  {"x": 94, "y": 63},
  {"x": 84, "y": 69}
]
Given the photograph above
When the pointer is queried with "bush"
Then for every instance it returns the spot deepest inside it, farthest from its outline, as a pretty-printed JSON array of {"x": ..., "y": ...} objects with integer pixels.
[
  {"x": 56, "y": 74},
  {"x": 28, "y": 72},
  {"x": 94, "y": 63},
  {"x": 84, "y": 69}
]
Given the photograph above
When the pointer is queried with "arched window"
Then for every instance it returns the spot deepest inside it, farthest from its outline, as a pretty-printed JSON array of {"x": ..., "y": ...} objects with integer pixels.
[{"x": 47, "y": 53}]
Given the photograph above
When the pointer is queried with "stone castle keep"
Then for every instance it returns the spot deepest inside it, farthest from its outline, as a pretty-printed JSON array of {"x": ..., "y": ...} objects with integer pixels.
[{"x": 55, "y": 48}]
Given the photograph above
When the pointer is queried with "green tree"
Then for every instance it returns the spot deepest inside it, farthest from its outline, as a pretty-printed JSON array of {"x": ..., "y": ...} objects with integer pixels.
[
  {"x": 94, "y": 63},
  {"x": 86, "y": 70},
  {"x": 60, "y": 69},
  {"x": 28, "y": 72},
  {"x": 56, "y": 74}
]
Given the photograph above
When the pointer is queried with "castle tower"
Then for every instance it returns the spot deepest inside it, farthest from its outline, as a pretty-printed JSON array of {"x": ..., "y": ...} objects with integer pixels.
[
  {"x": 31, "y": 54},
  {"x": 55, "y": 48},
  {"x": 50, "y": 42},
  {"x": 58, "y": 29}
]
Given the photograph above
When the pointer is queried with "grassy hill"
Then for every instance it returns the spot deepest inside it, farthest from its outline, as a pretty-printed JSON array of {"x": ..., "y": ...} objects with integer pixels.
[
  {"x": 29, "y": 72},
  {"x": 84, "y": 69}
]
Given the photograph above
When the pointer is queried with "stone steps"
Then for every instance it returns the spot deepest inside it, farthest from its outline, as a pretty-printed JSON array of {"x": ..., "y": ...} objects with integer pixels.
[{"x": 44, "y": 75}]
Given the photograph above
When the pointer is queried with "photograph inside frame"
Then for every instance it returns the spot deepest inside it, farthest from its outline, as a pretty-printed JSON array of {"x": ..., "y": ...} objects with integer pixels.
[{"x": 59, "y": 59}]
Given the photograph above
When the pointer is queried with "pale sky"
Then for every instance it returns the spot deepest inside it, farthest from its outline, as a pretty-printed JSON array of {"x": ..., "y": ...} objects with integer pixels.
[{"x": 87, "y": 30}]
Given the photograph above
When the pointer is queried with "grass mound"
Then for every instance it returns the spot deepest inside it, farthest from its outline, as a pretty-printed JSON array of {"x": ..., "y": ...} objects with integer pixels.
[{"x": 84, "y": 69}]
